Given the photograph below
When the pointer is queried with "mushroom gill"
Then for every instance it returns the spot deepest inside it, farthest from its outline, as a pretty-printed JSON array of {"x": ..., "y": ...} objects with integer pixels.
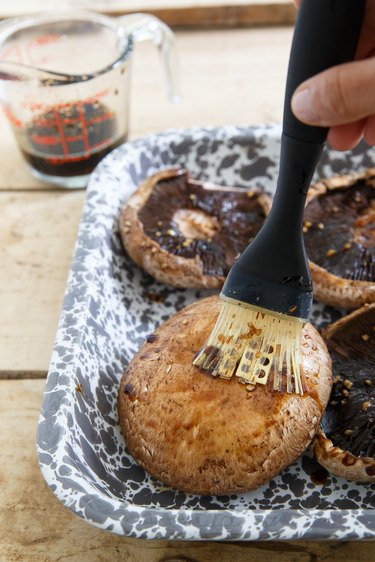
[
  {"x": 187, "y": 219},
  {"x": 188, "y": 233},
  {"x": 339, "y": 227},
  {"x": 345, "y": 442},
  {"x": 349, "y": 420},
  {"x": 340, "y": 230}
]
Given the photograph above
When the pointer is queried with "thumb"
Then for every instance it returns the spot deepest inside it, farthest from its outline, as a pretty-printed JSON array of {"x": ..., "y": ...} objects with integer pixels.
[{"x": 337, "y": 96}]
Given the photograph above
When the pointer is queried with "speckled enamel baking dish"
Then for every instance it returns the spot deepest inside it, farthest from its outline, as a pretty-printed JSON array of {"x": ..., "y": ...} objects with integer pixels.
[{"x": 110, "y": 306}]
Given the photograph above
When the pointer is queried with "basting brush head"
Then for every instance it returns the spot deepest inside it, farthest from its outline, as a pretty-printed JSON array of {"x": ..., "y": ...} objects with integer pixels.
[{"x": 256, "y": 345}]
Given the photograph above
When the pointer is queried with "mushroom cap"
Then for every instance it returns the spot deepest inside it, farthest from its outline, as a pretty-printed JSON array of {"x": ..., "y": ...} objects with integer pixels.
[
  {"x": 207, "y": 435},
  {"x": 173, "y": 256},
  {"x": 340, "y": 239},
  {"x": 346, "y": 435}
]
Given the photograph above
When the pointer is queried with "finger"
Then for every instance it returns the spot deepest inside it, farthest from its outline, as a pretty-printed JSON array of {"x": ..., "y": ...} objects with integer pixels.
[
  {"x": 339, "y": 95},
  {"x": 369, "y": 132},
  {"x": 346, "y": 137}
]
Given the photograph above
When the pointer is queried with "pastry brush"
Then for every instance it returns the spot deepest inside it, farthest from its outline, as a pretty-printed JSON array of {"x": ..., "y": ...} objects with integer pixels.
[{"x": 267, "y": 295}]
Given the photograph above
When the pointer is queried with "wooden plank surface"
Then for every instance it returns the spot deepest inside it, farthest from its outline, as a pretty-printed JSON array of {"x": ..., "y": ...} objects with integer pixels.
[
  {"x": 37, "y": 233},
  {"x": 231, "y": 76},
  {"x": 177, "y": 13},
  {"x": 35, "y": 527}
]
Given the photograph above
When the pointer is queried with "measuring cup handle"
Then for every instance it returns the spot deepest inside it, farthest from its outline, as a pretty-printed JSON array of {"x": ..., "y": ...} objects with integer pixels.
[{"x": 145, "y": 27}]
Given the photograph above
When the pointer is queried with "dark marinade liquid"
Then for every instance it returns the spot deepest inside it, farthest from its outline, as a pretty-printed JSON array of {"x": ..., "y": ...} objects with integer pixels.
[{"x": 71, "y": 141}]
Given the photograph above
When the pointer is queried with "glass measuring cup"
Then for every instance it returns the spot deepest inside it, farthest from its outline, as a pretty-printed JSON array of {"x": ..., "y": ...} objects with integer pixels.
[{"x": 64, "y": 86}]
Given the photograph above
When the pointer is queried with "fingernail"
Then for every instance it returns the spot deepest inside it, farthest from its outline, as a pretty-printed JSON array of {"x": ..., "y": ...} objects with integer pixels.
[{"x": 302, "y": 108}]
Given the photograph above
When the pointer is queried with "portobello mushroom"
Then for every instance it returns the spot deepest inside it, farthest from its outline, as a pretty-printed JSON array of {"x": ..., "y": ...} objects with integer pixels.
[
  {"x": 339, "y": 227},
  {"x": 188, "y": 233},
  {"x": 208, "y": 435},
  {"x": 345, "y": 444}
]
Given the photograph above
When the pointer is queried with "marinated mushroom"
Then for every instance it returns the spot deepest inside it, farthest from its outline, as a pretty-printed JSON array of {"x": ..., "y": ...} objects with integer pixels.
[
  {"x": 188, "y": 233},
  {"x": 208, "y": 435},
  {"x": 345, "y": 444},
  {"x": 339, "y": 227}
]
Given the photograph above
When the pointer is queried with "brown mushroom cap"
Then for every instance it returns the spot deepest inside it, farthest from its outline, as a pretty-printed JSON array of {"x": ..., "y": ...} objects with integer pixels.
[
  {"x": 207, "y": 435},
  {"x": 345, "y": 444},
  {"x": 187, "y": 233},
  {"x": 339, "y": 226}
]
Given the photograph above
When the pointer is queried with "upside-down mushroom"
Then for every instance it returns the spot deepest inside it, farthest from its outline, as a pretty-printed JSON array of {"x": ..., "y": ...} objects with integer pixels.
[
  {"x": 208, "y": 435},
  {"x": 188, "y": 233},
  {"x": 339, "y": 227},
  {"x": 345, "y": 444}
]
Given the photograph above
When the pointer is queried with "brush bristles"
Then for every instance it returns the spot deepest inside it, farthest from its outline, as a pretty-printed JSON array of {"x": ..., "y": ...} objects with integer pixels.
[{"x": 256, "y": 346}]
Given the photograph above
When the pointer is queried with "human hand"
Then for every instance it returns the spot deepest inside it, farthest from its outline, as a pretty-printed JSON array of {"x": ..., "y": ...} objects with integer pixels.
[{"x": 343, "y": 97}]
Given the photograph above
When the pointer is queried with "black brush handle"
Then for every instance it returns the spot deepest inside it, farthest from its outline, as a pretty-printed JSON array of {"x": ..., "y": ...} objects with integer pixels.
[
  {"x": 273, "y": 271},
  {"x": 326, "y": 34}
]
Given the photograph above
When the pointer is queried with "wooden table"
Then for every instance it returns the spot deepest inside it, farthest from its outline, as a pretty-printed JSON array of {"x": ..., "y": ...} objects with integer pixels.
[{"x": 228, "y": 76}]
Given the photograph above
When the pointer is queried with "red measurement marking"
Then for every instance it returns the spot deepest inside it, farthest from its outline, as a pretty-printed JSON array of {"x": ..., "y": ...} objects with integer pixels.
[
  {"x": 73, "y": 120},
  {"x": 62, "y": 161},
  {"x": 34, "y": 48},
  {"x": 53, "y": 140},
  {"x": 97, "y": 96},
  {"x": 45, "y": 39},
  {"x": 40, "y": 122},
  {"x": 12, "y": 118},
  {"x": 45, "y": 140},
  {"x": 34, "y": 106},
  {"x": 60, "y": 128},
  {"x": 73, "y": 139},
  {"x": 99, "y": 118},
  {"x": 70, "y": 120},
  {"x": 12, "y": 54}
]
